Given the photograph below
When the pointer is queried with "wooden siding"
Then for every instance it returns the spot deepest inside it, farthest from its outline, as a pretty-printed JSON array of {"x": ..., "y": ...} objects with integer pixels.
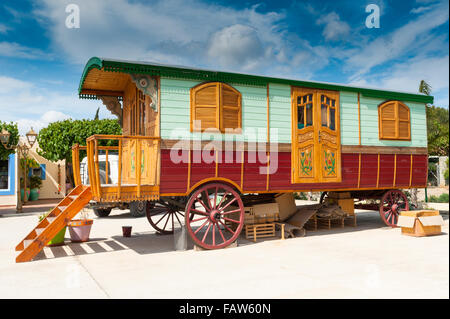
[
  {"x": 369, "y": 124},
  {"x": 175, "y": 110},
  {"x": 175, "y": 113},
  {"x": 181, "y": 178}
]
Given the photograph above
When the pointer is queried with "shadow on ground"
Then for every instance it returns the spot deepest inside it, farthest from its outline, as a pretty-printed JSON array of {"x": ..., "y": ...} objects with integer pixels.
[{"x": 152, "y": 243}]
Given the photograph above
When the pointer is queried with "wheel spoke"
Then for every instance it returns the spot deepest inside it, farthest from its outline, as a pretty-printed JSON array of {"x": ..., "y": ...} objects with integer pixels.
[
  {"x": 228, "y": 204},
  {"x": 231, "y": 211},
  {"x": 222, "y": 199},
  {"x": 226, "y": 227},
  {"x": 199, "y": 212},
  {"x": 161, "y": 218},
  {"x": 206, "y": 233},
  {"x": 221, "y": 234},
  {"x": 213, "y": 234},
  {"x": 167, "y": 220},
  {"x": 176, "y": 215},
  {"x": 198, "y": 229},
  {"x": 196, "y": 220},
  {"x": 215, "y": 198},
  {"x": 203, "y": 204},
  {"x": 232, "y": 220}
]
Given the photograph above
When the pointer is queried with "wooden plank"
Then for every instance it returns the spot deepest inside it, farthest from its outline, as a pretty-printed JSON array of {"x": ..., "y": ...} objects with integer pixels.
[{"x": 383, "y": 149}]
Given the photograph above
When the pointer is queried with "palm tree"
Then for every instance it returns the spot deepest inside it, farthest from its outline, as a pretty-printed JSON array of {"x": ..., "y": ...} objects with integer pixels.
[{"x": 424, "y": 88}]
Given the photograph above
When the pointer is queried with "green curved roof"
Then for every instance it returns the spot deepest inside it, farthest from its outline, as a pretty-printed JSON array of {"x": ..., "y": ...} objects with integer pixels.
[{"x": 133, "y": 67}]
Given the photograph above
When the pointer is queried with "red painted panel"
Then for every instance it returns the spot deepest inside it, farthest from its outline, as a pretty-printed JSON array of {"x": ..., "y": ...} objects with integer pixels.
[
  {"x": 420, "y": 170},
  {"x": 254, "y": 178},
  {"x": 369, "y": 170},
  {"x": 203, "y": 166},
  {"x": 281, "y": 180},
  {"x": 230, "y": 166},
  {"x": 386, "y": 170},
  {"x": 173, "y": 178},
  {"x": 403, "y": 170}
]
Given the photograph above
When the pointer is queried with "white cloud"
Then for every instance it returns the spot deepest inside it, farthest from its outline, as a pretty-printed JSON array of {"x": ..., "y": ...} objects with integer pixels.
[
  {"x": 236, "y": 45},
  {"x": 29, "y": 105},
  {"x": 15, "y": 50},
  {"x": 411, "y": 38},
  {"x": 335, "y": 28},
  {"x": 406, "y": 76},
  {"x": 4, "y": 28}
]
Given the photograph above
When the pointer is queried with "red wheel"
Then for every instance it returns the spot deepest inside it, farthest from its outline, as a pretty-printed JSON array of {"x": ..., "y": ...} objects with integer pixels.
[
  {"x": 164, "y": 217},
  {"x": 209, "y": 212},
  {"x": 392, "y": 203}
]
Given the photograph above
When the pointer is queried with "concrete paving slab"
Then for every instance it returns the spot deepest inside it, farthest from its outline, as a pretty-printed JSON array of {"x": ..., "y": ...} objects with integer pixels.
[{"x": 367, "y": 261}]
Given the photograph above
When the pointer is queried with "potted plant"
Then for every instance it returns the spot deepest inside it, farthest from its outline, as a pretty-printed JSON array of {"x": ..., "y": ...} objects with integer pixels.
[
  {"x": 35, "y": 185},
  {"x": 80, "y": 229},
  {"x": 59, "y": 237}
]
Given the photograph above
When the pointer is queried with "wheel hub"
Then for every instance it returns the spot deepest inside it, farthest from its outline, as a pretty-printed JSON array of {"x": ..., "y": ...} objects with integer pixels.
[
  {"x": 394, "y": 208},
  {"x": 214, "y": 215}
]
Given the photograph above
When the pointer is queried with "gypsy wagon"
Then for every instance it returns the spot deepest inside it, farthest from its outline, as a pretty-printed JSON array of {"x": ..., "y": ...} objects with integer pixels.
[{"x": 196, "y": 142}]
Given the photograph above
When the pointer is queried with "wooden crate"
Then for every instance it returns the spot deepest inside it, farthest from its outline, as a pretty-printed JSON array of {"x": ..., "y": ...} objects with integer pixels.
[
  {"x": 311, "y": 224},
  {"x": 328, "y": 222},
  {"x": 256, "y": 231},
  {"x": 351, "y": 220},
  {"x": 420, "y": 223}
]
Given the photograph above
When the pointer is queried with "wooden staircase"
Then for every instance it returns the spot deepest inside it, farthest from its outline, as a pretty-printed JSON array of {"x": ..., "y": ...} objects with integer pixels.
[{"x": 58, "y": 218}]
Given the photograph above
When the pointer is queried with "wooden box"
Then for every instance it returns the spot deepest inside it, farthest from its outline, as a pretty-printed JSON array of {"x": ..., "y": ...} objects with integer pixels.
[
  {"x": 286, "y": 205},
  {"x": 259, "y": 231},
  {"x": 347, "y": 205},
  {"x": 420, "y": 223}
]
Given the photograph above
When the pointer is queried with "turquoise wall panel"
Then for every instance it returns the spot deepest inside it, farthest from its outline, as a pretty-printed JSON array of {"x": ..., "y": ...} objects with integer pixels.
[{"x": 175, "y": 115}]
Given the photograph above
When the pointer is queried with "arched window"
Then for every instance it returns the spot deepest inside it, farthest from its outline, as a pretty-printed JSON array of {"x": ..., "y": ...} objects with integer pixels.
[
  {"x": 215, "y": 105},
  {"x": 394, "y": 121}
]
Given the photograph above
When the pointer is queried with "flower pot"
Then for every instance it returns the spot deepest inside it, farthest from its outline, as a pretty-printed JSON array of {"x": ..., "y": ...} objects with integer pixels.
[
  {"x": 126, "y": 231},
  {"x": 80, "y": 229},
  {"x": 58, "y": 239},
  {"x": 22, "y": 195},
  {"x": 34, "y": 194}
]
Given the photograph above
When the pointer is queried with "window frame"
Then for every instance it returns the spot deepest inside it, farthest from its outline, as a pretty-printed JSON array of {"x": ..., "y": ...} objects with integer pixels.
[
  {"x": 396, "y": 119},
  {"x": 219, "y": 107}
]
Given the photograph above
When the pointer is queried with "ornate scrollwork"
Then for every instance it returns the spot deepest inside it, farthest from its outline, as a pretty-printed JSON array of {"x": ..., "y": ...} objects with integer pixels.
[
  {"x": 149, "y": 86},
  {"x": 113, "y": 105}
]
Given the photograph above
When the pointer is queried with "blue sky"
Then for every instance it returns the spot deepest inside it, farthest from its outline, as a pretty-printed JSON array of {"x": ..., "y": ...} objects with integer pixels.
[{"x": 41, "y": 60}]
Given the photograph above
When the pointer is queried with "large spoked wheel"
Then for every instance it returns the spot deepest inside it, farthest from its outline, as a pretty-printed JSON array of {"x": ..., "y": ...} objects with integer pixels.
[
  {"x": 392, "y": 203},
  {"x": 164, "y": 217},
  {"x": 214, "y": 216}
]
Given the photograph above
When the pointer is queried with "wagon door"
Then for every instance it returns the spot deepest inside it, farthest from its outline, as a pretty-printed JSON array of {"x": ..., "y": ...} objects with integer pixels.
[{"x": 316, "y": 149}]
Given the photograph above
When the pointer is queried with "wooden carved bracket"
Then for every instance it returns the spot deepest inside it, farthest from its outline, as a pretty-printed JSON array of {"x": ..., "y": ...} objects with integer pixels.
[
  {"x": 113, "y": 105},
  {"x": 149, "y": 86}
]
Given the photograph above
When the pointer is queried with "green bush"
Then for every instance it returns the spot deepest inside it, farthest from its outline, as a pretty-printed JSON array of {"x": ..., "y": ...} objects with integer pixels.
[
  {"x": 301, "y": 196},
  {"x": 443, "y": 198},
  {"x": 35, "y": 182}
]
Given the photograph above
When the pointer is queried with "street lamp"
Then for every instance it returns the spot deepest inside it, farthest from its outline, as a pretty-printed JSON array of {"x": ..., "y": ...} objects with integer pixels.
[{"x": 22, "y": 150}]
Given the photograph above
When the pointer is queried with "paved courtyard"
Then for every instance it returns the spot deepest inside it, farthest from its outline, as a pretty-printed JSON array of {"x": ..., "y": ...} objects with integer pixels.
[{"x": 367, "y": 261}]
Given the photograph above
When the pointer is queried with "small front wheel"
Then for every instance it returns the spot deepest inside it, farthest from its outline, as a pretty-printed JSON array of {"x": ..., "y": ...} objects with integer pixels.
[{"x": 138, "y": 208}]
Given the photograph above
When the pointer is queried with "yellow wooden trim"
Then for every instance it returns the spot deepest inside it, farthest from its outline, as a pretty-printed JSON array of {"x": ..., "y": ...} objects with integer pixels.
[
  {"x": 217, "y": 162},
  {"x": 214, "y": 179},
  {"x": 137, "y": 146},
  {"x": 242, "y": 168},
  {"x": 268, "y": 135},
  {"x": 410, "y": 171},
  {"x": 395, "y": 170},
  {"x": 378, "y": 171},
  {"x": 268, "y": 170},
  {"x": 189, "y": 173},
  {"x": 359, "y": 118},
  {"x": 359, "y": 169},
  {"x": 119, "y": 178}
]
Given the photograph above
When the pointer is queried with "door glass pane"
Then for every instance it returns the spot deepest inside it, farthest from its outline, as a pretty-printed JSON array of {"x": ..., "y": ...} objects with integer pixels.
[
  {"x": 309, "y": 114},
  {"x": 332, "y": 118},
  {"x": 301, "y": 117},
  {"x": 323, "y": 115}
]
